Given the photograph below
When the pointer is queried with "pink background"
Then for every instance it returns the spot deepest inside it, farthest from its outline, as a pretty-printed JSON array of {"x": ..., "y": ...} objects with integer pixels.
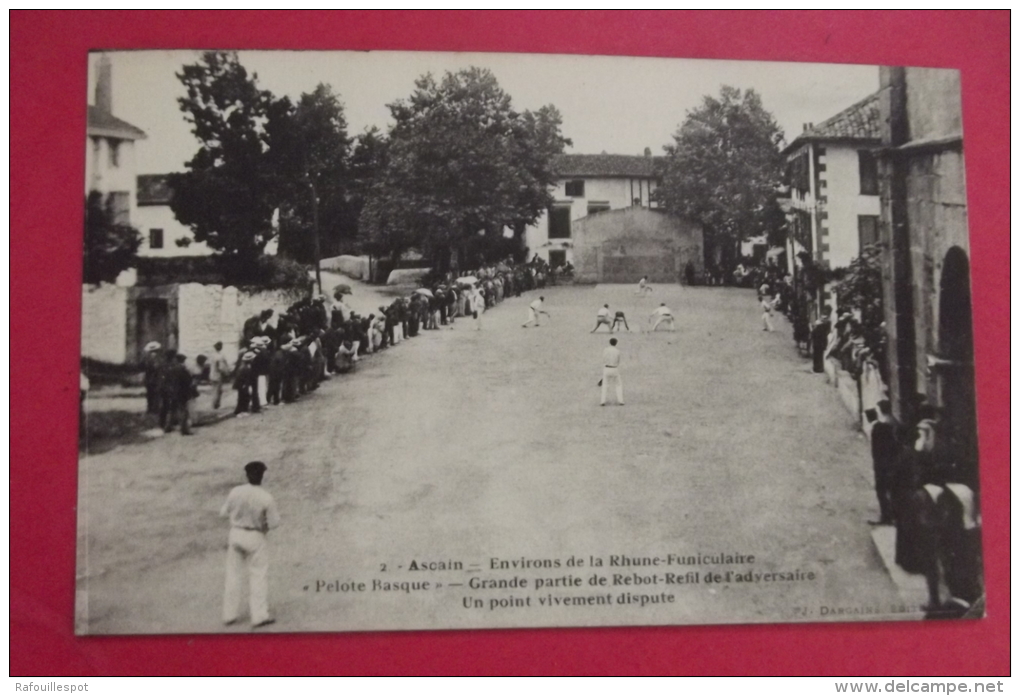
[{"x": 48, "y": 77}]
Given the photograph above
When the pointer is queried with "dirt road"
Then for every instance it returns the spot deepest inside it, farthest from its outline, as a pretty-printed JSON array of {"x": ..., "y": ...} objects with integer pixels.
[{"x": 459, "y": 447}]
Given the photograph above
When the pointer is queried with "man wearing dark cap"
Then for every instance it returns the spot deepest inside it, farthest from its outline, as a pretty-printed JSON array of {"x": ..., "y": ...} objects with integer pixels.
[
  {"x": 885, "y": 453},
  {"x": 252, "y": 512}
]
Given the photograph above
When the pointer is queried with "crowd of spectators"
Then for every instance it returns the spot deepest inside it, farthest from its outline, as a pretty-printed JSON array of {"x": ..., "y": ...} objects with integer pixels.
[
  {"x": 930, "y": 494},
  {"x": 926, "y": 487},
  {"x": 282, "y": 358}
]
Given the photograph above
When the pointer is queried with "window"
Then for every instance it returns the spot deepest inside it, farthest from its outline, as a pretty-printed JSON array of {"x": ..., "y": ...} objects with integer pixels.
[
  {"x": 798, "y": 174},
  {"x": 559, "y": 222},
  {"x": 869, "y": 172},
  {"x": 120, "y": 207},
  {"x": 597, "y": 207},
  {"x": 114, "y": 153},
  {"x": 155, "y": 238},
  {"x": 867, "y": 230},
  {"x": 557, "y": 257},
  {"x": 574, "y": 189}
]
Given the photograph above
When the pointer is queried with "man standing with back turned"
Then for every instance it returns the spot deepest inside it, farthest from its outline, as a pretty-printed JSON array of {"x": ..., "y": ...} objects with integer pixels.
[
  {"x": 252, "y": 512},
  {"x": 611, "y": 371}
]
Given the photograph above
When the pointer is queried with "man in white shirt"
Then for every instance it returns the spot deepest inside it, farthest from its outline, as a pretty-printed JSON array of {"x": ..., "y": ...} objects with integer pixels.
[
  {"x": 611, "y": 371},
  {"x": 477, "y": 308},
  {"x": 534, "y": 309},
  {"x": 662, "y": 314},
  {"x": 767, "y": 304},
  {"x": 643, "y": 288},
  {"x": 252, "y": 512},
  {"x": 219, "y": 372},
  {"x": 602, "y": 318}
]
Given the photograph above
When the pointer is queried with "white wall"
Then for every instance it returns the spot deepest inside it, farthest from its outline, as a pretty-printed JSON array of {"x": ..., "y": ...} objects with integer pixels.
[
  {"x": 102, "y": 176},
  {"x": 104, "y": 322},
  {"x": 615, "y": 191},
  {"x": 148, "y": 217},
  {"x": 845, "y": 203},
  {"x": 210, "y": 313},
  {"x": 356, "y": 267}
]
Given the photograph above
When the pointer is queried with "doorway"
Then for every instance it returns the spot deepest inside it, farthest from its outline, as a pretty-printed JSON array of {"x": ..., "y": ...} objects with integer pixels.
[
  {"x": 956, "y": 379},
  {"x": 153, "y": 322}
]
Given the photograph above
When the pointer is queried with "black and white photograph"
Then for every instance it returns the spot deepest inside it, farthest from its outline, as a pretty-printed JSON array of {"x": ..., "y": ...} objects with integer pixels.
[{"x": 379, "y": 341}]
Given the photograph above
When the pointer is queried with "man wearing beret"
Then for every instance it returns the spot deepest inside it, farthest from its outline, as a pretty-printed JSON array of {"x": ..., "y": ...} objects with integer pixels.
[{"x": 252, "y": 513}]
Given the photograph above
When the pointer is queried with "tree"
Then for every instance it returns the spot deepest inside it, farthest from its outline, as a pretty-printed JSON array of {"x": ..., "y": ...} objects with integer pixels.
[
  {"x": 228, "y": 193},
  {"x": 109, "y": 247},
  {"x": 537, "y": 140},
  {"x": 309, "y": 152},
  {"x": 724, "y": 167},
  {"x": 860, "y": 290},
  {"x": 460, "y": 162},
  {"x": 368, "y": 162}
]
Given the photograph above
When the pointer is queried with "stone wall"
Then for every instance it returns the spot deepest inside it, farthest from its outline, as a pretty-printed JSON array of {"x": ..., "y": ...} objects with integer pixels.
[
  {"x": 937, "y": 210},
  {"x": 623, "y": 245},
  {"x": 104, "y": 323},
  {"x": 400, "y": 276},
  {"x": 210, "y": 313},
  {"x": 197, "y": 316},
  {"x": 924, "y": 221},
  {"x": 933, "y": 102},
  {"x": 357, "y": 267}
]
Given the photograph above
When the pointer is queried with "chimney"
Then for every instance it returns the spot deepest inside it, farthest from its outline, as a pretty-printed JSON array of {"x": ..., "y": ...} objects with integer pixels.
[{"x": 104, "y": 85}]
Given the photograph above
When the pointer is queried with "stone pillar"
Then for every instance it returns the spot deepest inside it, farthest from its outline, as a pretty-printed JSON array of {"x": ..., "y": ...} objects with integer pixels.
[{"x": 895, "y": 233}]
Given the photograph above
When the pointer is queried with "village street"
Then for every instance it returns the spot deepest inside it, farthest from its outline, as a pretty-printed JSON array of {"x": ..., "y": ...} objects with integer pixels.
[{"x": 462, "y": 446}]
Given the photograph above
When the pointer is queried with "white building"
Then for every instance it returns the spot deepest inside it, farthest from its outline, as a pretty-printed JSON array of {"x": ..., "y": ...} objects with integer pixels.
[
  {"x": 110, "y": 150},
  {"x": 833, "y": 180},
  {"x": 162, "y": 234},
  {"x": 587, "y": 185}
]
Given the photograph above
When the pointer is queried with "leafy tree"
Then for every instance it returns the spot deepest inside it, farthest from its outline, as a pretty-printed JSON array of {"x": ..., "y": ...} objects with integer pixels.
[
  {"x": 309, "y": 152},
  {"x": 387, "y": 226},
  {"x": 460, "y": 161},
  {"x": 109, "y": 247},
  {"x": 368, "y": 162},
  {"x": 724, "y": 167},
  {"x": 860, "y": 290},
  {"x": 537, "y": 140},
  {"x": 228, "y": 193}
]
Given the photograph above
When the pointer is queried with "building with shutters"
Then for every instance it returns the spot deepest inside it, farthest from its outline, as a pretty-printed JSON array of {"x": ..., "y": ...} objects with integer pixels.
[
  {"x": 110, "y": 150},
  {"x": 832, "y": 173}
]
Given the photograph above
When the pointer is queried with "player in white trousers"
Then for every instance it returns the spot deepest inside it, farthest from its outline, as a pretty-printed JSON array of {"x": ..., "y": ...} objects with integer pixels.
[
  {"x": 534, "y": 309},
  {"x": 252, "y": 512},
  {"x": 478, "y": 309},
  {"x": 611, "y": 372},
  {"x": 662, "y": 314},
  {"x": 767, "y": 306}
]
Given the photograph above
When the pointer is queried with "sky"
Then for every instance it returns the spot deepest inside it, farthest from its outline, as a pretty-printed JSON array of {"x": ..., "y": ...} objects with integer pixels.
[{"x": 611, "y": 104}]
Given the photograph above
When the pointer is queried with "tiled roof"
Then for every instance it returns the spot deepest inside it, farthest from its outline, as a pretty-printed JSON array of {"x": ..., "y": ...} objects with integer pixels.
[
  {"x": 606, "y": 165},
  {"x": 104, "y": 123},
  {"x": 862, "y": 121},
  {"x": 154, "y": 189}
]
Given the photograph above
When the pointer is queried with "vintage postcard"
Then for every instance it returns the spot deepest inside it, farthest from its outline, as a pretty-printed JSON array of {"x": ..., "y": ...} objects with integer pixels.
[{"x": 403, "y": 341}]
